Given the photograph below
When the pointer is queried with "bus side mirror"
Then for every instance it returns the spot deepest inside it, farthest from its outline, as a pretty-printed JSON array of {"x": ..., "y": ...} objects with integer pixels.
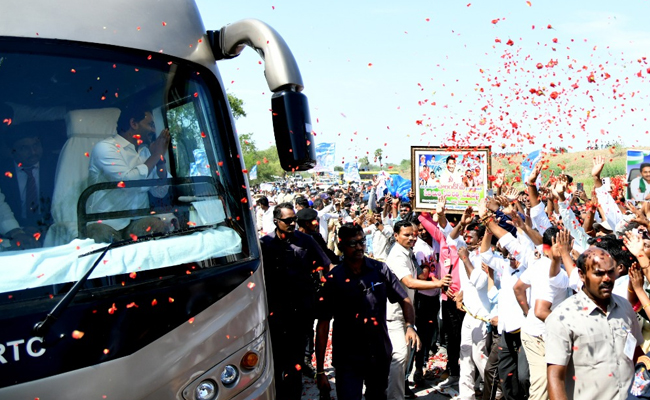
[{"x": 293, "y": 132}]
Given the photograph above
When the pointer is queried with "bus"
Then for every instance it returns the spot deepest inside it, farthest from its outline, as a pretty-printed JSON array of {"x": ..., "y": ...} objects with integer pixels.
[{"x": 172, "y": 305}]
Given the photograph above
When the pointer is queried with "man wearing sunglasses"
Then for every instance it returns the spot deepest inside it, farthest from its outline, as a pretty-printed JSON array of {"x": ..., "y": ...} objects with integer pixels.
[
  {"x": 356, "y": 294},
  {"x": 290, "y": 258}
]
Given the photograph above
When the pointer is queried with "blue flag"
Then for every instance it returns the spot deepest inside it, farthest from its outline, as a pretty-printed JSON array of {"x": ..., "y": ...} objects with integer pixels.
[
  {"x": 398, "y": 186},
  {"x": 528, "y": 165},
  {"x": 351, "y": 172},
  {"x": 325, "y": 157}
]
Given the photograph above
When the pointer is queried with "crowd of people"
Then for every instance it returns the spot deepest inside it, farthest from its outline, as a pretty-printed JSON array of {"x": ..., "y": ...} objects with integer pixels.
[{"x": 536, "y": 293}]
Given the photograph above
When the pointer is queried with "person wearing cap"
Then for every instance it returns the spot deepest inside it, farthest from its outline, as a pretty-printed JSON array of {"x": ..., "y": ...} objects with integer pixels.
[{"x": 602, "y": 228}]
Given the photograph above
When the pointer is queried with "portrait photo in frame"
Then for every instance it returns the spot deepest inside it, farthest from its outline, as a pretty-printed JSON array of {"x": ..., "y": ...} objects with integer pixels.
[{"x": 458, "y": 174}]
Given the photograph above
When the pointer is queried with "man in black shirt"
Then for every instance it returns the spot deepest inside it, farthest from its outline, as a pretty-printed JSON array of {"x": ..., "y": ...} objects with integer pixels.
[
  {"x": 355, "y": 295},
  {"x": 290, "y": 257}
]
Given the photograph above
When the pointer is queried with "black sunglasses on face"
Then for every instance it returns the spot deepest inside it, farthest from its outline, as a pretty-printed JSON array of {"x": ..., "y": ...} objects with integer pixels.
[
  {"x": 354, "y": 243},
  {"x": 289, "y": 220}
]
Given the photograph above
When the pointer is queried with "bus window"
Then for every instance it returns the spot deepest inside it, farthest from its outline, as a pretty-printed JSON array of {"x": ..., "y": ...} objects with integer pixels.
[{"x": 63, "y": 136}]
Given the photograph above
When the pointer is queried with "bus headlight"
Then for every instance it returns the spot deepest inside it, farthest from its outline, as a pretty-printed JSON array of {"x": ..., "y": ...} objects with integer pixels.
[
  {"x": 207, "y": 390},
  {"x": 229, "y": 375}
]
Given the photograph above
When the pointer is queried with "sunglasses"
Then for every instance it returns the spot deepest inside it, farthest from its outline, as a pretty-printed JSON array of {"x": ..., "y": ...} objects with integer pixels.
[
  {"x": 289, "y": 220},
  {"x": 354, "y": 243}
]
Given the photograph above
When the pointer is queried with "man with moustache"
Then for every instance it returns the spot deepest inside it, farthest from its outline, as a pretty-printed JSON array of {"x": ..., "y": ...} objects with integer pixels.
[
  {"x": 592, "y": 338},
  {"x": 290, "y": 257},
  {"x": 133, "y": 154},
  {"x": 403, "y": 264},
  {"x": 355, "y": 295}
]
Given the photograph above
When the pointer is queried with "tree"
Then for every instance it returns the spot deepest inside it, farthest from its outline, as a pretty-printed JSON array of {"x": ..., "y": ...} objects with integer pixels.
[
  {"x": 364, "y": 161},
  {"x": 378, "y": 155},
  {"x": 247, "y": 143},
  {"x": 237, "y": 106}
]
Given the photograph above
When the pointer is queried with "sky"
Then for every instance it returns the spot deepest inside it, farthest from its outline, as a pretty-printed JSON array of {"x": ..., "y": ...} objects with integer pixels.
[{"x": 515, "y": 75}]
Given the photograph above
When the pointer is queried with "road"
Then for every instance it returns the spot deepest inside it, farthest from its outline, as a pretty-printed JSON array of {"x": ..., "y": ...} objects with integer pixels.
[{"x": 310, "y": 391}]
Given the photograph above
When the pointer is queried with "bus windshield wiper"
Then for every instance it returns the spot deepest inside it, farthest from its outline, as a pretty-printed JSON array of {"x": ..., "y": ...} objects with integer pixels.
[
  {"x": 151, "y": 236},
  {"x": 42, "y": 327}
]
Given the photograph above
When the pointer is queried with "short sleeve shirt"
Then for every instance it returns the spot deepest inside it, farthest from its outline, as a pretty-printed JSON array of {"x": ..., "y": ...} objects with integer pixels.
[
  {"x": 358, "y": 305},
  {"x": 401, "y": 264},
  {"x": 591, "y": 344}
]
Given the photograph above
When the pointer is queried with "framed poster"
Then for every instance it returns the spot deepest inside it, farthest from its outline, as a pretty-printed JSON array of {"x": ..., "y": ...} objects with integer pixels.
[
  {"x": 638, "y": 175},
  {"x": 458, "y": 174}
]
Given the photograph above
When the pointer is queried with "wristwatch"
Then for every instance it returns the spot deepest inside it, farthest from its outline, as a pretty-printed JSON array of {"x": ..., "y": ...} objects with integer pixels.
[{"x": 411, "y": 326}]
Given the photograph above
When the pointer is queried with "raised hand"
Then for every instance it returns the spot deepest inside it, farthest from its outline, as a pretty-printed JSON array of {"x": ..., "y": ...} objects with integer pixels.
[
  {"x": 634, "y": 243},
  {"x": 564, "y": 241},
  {"x": 492, "y": 204},
  {"x": 598, "y": 164},
  {"x": 533, "y": 175},
  {"x": 441, "y": 206},
  {"x": 559, "y": 188},
  {"x": 512, "y": 194},
  {"x": 482, "y": 208},
  {"x": 466, "y": 218},
  {"x": 639, "y": 216},
  {"x": 636, "y": 277}
]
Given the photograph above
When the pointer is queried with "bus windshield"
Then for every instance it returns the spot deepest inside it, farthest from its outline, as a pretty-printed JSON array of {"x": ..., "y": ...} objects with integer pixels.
[{"x": 104, "y": 145}]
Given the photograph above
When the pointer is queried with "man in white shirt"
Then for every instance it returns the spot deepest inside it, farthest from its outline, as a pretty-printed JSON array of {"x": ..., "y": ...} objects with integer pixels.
[
  {"x": 122, "y": 158},
  {"x": 640, "y": 186},
  {"x": 325, "y": 213},
  {"x": 450, "y": 177},
  {"x": 542, "y": 298},
  {"x": 474, "y": 295},
  {"x": 510, "y": 318},
  {"x": 265, "y": 216},
  {"x": 402, "y": 263}
]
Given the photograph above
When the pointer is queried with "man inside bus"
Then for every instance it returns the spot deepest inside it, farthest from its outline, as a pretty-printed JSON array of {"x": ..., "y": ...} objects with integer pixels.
[
  {"x": 27, "y": 180},
  {"x": 10, "y": 227},
  {"x": 290, "y": 259},
  {"x": 126, "y": 157}
]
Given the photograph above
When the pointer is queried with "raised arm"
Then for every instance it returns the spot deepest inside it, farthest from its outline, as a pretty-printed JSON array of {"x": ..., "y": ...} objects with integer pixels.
[{"x": 531, "y": 183}]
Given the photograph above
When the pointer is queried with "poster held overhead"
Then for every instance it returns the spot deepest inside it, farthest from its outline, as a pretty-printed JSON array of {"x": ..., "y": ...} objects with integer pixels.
[{"x": 461, "y": 175}]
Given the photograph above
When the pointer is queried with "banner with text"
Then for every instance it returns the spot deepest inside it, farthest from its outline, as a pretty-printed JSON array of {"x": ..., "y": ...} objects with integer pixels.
[{"x": 458, "y": 174}]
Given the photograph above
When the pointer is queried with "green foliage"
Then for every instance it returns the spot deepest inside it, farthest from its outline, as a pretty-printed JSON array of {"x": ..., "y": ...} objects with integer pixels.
[
  {"x": 267, "y": 161},
  {"x": 364, "y": 161},
  {"x": 338, "y": 168},
  {"x": 237, "y": 106}
]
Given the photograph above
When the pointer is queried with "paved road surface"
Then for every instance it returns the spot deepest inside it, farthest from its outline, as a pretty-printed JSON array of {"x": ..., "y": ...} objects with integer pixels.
[{"x": 310, "y": 391}]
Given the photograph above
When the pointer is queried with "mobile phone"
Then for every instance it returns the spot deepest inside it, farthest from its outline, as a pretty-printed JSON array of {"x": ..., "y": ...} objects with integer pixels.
[
  {"x": 580, "y": 186},
  {"x": 490, "y": 193}
]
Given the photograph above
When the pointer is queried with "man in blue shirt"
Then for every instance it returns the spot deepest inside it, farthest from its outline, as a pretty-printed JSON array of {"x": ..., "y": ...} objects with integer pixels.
[{"x": 355, "y": 295}]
